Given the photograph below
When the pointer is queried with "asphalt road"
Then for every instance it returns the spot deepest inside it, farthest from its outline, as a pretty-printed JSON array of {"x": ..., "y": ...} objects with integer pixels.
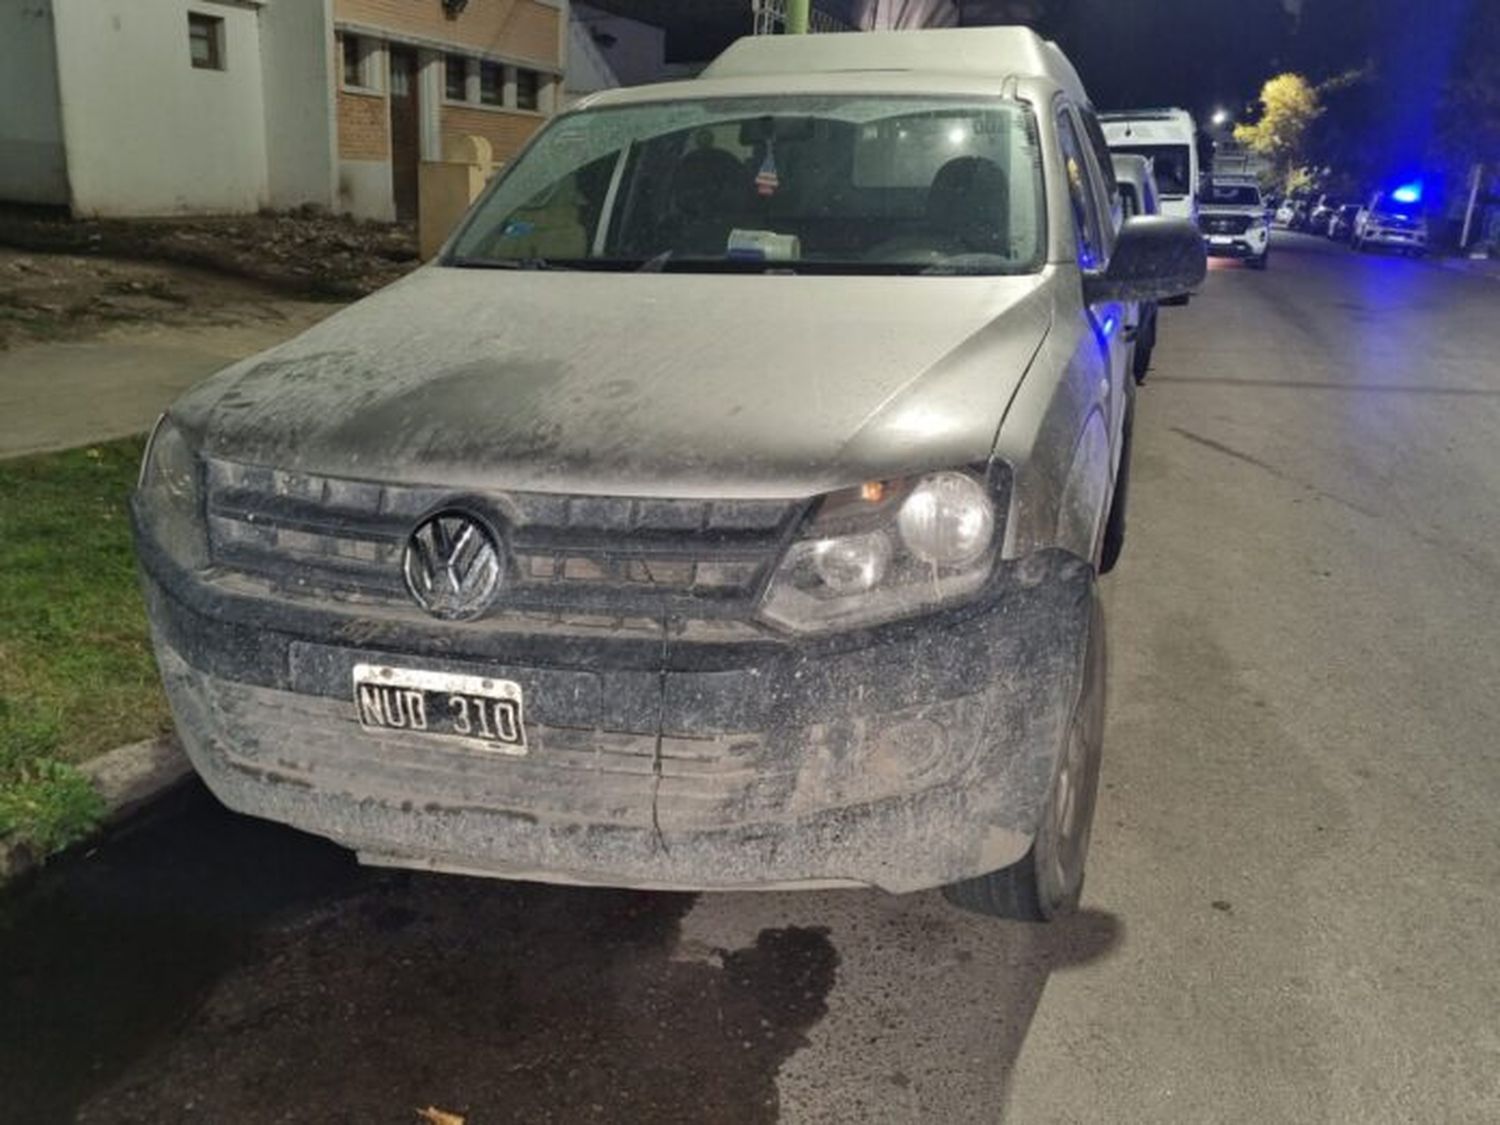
[{"x": 1293, "y": 908}]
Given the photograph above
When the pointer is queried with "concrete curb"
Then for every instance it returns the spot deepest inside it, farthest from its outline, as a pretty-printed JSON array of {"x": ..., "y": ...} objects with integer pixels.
[{"x": 128, "y": 778}]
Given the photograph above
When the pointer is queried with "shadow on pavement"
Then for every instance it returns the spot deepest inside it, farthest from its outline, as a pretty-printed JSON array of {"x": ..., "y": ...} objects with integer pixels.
[
  {"x": 210, "y": 967},
  {"x": 934, "y": 1005}
]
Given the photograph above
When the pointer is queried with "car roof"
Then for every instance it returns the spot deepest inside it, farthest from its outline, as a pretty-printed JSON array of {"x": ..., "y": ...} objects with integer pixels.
[
  {"x": 1145, "y": 115},
  {"x": 980, "y": 52}
]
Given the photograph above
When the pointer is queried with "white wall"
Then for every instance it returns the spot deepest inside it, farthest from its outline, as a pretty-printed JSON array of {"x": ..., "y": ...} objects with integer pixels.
[
  {"x": 297, "y": 74},
  {"x": 33, "y": 168},
  {"x": 635, "y": 57},
  {"x": 365, "y": 190},
  {"x": 146, "y": 133}
]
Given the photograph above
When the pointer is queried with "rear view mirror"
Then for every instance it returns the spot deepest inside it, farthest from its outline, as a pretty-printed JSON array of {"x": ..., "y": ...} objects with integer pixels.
[
  {"x": 1155, "y": 258},
  {"x": 759, "y": 130}
]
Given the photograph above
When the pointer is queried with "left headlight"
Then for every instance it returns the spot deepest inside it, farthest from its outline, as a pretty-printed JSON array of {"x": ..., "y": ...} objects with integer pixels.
[
  {"x": 887, "y": 550},
  {"x": 169, "y": 496}
]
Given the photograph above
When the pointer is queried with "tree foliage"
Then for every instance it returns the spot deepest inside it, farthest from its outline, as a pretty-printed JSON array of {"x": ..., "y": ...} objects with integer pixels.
[
  {"x": 1290, "y": 104},
  {"x": 1467, "y": 125}
]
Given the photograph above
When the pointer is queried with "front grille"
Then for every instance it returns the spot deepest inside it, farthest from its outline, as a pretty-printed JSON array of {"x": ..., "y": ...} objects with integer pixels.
[
  {"x": 1226, "y": 224},
  {"x": 314, "y": 536}
]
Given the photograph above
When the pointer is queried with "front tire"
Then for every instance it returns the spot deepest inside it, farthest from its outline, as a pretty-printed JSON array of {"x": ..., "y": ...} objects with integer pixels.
[
  {"x": 1047, "y": 883},
  {"x": 1261, "y": 262},
  {"x": 1145, "y": 344}
]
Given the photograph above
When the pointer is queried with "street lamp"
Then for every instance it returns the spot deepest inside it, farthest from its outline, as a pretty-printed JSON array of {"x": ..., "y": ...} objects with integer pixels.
[{"x": 1220, "y": 118}]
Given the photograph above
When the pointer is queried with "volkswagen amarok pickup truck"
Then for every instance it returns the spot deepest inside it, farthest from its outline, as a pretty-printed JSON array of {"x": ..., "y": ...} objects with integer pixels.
[{"x": 723, "y": 508}]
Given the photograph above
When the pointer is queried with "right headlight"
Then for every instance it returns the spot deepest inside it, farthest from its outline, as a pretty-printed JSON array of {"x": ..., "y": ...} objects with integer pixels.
[
  {"x": 169, "y": 496},
  {"x": 887, "y": 550}
]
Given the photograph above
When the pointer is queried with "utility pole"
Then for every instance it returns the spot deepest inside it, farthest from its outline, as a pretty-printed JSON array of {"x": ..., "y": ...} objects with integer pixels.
[
  {"x": 797, "y": 12},
  {"x": 1476, "y": 178}
]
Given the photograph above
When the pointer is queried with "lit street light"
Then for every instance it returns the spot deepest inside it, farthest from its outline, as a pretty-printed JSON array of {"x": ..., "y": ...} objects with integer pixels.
[{"x": 1220, "y": 118}]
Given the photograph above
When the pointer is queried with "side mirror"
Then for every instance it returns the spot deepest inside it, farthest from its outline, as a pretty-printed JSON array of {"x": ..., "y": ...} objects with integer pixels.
[{"x": 1155, "y": 258}]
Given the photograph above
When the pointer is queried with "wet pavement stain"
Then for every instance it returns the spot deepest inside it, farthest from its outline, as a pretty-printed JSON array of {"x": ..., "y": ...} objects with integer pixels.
[{"x": 213, "y": 968}]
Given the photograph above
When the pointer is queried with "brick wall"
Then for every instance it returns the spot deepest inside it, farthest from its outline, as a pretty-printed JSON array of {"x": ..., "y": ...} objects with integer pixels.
[
  {"x": 363, "y": 134},
  {"x": 506, "y": 132},
  {"x": 516, "y": 29}
]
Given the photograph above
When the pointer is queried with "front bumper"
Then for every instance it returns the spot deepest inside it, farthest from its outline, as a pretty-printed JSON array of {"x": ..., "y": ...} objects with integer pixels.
[
  {"x": 904, "y": 757},
  {"x": 1250, "y": 245},
  {"x": 1405, "y": 240}
]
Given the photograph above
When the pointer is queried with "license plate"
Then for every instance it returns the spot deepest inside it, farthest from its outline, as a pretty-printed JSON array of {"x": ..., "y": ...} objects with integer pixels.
[{"x": 476, "y": 710}]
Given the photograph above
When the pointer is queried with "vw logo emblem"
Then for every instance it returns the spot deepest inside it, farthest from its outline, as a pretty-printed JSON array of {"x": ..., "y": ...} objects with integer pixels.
[{"x": 452, "y": 566}]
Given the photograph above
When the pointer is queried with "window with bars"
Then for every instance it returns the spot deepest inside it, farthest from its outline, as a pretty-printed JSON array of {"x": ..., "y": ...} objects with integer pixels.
[
  {"x": 528, "y": 89},
  {"x": 491, "y": 84},
  {"x": 456, "y": 78},
  {"x": 206, "y": 41}
]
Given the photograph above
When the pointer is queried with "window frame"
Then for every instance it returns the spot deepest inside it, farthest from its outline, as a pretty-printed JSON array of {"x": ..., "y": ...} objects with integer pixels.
[
  {"x": 526, "y": 76},
  {"x": 450, "y": 60},
  {"x": 487, "y": 67},
  {"x": 1098, "y": 260},
  {"x": 1093, "y": 133},
  {"x": 366, "y": 54},
  {"x": 214, "y": 25}
]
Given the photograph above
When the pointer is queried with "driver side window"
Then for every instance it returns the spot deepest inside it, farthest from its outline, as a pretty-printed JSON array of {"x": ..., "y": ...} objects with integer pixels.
[{"x": 1086, "y": 218}]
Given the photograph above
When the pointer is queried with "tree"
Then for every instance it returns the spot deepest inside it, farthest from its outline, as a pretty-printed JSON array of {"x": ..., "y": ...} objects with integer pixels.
[
  {"x": 1289, "y": 106},
  {"x": 1467, "y": 121}
]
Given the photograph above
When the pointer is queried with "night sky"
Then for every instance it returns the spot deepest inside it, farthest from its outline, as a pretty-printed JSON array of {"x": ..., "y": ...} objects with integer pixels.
[
  {"x": 1205, "y": 55},
  {"x": 1199, "y": 54}
]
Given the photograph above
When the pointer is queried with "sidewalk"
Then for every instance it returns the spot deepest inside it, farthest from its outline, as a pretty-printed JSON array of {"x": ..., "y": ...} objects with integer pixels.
[
  {"x": 59, "y": 395},
  {"x": 1478, "y": 267}
]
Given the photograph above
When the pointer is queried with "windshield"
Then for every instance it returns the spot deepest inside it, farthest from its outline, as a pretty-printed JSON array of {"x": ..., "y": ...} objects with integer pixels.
[
  {"x": 1233, "y": 195},
  {"x": 830, "y": 184},
  {"x": 1171, "y": 165}
]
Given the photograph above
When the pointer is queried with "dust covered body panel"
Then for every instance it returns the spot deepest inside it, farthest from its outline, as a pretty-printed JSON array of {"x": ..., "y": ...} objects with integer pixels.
[{"x": 901, "y": 757}]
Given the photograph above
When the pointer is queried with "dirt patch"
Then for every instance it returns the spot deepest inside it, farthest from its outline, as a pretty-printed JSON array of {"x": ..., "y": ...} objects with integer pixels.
[
  {"x": 47, "y": 297},
  {"x": 308, "y": 254}
]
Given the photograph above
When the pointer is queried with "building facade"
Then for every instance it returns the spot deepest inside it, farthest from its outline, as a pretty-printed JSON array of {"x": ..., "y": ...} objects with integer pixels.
[
  {"x": 414, "y": 74},
  {"x": 155, "y": 107}
]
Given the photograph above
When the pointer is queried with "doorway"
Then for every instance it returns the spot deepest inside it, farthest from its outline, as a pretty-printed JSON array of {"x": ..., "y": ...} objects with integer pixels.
[{"x": 405, "y": 131}]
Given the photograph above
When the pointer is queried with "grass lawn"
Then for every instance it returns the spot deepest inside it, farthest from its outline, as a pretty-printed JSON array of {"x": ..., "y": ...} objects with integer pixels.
[{"x": 76, "y": 673}]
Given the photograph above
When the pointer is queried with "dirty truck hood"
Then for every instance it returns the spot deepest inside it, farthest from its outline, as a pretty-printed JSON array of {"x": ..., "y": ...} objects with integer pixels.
[{"x": 649, "y": 385}]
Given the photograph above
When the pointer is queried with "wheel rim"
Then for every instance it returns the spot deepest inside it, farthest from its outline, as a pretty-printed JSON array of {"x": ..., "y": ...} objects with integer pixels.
[
  {"x": 1063, "y": 841},
  {"x": 1069, "y": 841}
]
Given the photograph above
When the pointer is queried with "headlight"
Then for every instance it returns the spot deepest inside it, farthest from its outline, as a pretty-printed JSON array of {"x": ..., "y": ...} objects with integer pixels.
[
  {"x": 169, "y": 496},
  {"x": 948, "y": 520},
  {"x": 887, "y": 550}
]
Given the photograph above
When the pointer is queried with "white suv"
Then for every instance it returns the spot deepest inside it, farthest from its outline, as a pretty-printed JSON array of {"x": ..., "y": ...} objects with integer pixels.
[
  {"x": 1232, "y": 216},
  {"x": 1391, "y": 224}
]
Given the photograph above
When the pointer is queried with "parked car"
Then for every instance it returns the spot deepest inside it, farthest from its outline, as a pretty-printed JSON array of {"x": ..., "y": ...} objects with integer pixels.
[
  {"x": 1386, "y": 224},
  {"x": 1233, "y": 219},
  {"x": 723, "y": 508},
  {"x": 1138, "y": 195},
  {"x": 1341, "y": 227},
  {"x": 1322, "y": 215}
]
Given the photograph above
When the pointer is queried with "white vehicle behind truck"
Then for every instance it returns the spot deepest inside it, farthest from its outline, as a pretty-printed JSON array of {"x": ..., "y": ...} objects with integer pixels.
[
  {"x": 1233, "y": 220},
  {"x": 1169, "y": 139}
]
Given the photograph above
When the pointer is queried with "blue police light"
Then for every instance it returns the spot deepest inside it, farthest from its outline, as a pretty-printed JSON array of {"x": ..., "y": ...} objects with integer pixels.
[{"x": 1408, "y": 193}]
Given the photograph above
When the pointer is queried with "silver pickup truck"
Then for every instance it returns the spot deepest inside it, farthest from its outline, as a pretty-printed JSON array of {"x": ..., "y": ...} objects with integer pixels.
[{"x": 723, "y": 508}]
